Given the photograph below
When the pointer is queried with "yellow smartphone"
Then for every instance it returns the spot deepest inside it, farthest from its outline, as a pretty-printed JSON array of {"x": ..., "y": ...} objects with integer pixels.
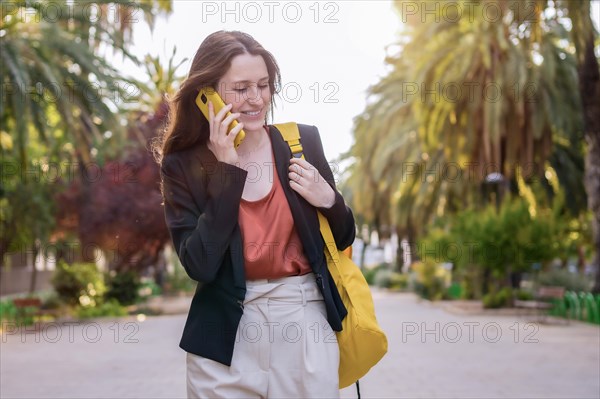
[{"x": 207, "y": 94}]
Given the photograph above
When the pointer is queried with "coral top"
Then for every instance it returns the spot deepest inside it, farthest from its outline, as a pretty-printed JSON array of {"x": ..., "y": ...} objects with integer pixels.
[{"x": 272, "y": 248}]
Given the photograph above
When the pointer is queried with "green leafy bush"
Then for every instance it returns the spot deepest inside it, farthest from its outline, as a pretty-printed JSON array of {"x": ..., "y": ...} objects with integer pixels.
[
  {"x": 454, "y": 291},
  {"x": 8, "y": 311},
  {"x": 370, "y": 273},
  {"x": 110, "y": 308},
  {"x": 179, "y": 281},
  {"x": 148, "y": 288},
  {"x": 431, "y": 279},
  {"x": 386, "y": 278},
  {"x": 524, "y": 295},
  {"x": 487, "y": 246},
  {"x": 123, "y": 286},
  {"x": 398, "y": 281},
  {"x": 383, "y": 278},
  {"x": 79, "y": 283},
  {"x": 498, "y": 299},
  {"x": 52, "y": 302}
]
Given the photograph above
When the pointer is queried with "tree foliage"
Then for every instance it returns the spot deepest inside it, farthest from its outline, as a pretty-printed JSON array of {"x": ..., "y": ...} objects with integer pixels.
[
  {"x": 51, "y": 62},
  {"x": 63, "y": 108},
  {"x": 468, "y": 98},
  {"x": 117, "y": 208}
]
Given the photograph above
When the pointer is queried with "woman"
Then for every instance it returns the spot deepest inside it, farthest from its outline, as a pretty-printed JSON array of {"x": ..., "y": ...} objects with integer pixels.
[{"x": 244, "y": 224}]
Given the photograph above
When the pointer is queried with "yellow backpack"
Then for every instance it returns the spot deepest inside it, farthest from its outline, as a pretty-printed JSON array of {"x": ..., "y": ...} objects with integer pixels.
[{"x": 362, "y": 342}]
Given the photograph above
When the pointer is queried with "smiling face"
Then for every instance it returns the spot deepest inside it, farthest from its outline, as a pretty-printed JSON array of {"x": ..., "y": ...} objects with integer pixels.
[{"x": 246, "y": 86}]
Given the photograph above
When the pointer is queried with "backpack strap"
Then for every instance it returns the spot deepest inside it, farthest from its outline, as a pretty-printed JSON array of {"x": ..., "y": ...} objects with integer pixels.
[{"x": 291, "y": 135}]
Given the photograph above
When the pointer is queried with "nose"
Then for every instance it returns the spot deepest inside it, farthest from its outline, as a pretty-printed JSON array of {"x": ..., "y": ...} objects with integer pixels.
[{"x": 254, "y": 94}]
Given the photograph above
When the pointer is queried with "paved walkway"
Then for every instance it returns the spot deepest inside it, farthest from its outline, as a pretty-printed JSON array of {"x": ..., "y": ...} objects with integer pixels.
[{"x": 433, "y": 353}]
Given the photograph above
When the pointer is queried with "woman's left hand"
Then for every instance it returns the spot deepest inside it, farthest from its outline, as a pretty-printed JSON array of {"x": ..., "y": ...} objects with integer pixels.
[{"x": 306, "y": 180}]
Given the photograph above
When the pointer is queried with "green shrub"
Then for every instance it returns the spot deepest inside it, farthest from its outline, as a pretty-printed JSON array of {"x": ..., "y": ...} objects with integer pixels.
[
  {"x": 524, "y": 295},
  {"x": 8, "y": 311},
  {"x": 370, "y": 273},
  {"x": 495, "y": 242},
  {"x": 24, "y": 315},
  {"x": 498, "y": 299},
  {"x": 179, "y": 281},
  {"x": 148, "y": 288},
  {"x": 454, "y": 291},
  {"x": 52, "y": 302},
  {"x": 79, "y": 283},
  {"x": 123, "y": 286},
  {"x": 386, "y": 278},
  {"x": 431, "y": 279},
  {"x": 110, "y": 308},
  {"x": 398, "y": 281},
  {"x": 382, "y": 278}
]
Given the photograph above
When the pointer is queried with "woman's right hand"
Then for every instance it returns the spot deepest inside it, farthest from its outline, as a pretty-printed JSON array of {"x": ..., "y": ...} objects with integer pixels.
[{"x": 219, "y": 142}]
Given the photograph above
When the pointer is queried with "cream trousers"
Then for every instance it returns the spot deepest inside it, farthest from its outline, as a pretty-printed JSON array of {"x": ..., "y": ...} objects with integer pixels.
[{"x": 284, "y": 347}]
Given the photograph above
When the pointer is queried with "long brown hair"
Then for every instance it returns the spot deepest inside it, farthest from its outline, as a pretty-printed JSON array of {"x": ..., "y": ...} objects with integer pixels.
[{"x": 187, "y": 126}]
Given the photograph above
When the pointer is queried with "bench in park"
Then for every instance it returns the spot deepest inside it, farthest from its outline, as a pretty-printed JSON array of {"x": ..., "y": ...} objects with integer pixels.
[
  {"x": 544, "y": 301},
  {"x": 30, "y": 307}
]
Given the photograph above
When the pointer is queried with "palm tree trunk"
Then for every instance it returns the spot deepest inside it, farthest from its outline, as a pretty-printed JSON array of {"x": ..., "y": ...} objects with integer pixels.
[
  {"x": 7, "y": 232},
  {"x": 363, "y": 252},
  {"x": 592, "y": 179},
  {"x": 589, "y": 81},
  {"x": 400, "y": 255},
  {"x": 33, "y": 280}
]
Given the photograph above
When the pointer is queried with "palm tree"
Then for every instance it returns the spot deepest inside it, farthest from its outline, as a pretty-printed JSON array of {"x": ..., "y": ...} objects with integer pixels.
[
  {"x": 51, "y": 64},
  {"x": 60, "y": 99},
  {"x": 469, "y": 96}
]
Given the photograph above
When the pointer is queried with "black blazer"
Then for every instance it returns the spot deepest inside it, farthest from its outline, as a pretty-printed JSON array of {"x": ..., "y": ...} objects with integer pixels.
[{"x": 201, "y": 199}]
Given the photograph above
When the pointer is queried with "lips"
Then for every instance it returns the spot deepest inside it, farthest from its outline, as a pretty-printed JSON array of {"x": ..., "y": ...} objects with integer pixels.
[
  {"x": 250, "y": 116},
  {"x": 251, "y": 113}
]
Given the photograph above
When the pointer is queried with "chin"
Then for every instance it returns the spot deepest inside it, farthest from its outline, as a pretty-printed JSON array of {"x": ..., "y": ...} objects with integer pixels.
[{"x": 253, "y": 126}]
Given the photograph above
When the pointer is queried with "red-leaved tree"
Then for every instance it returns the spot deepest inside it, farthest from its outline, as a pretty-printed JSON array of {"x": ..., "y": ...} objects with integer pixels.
[{"x": 117, "y": 207}]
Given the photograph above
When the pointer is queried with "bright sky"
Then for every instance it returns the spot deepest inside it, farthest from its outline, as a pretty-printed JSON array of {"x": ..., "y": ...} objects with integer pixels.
[{"x": 328, "y": 52}]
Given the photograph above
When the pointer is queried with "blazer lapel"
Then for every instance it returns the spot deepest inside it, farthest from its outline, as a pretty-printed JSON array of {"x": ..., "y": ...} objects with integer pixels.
[{"x": 305, "y": 216}]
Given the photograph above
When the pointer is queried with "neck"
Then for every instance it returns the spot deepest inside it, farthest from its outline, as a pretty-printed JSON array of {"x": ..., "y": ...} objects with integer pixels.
[{"x": 253, "y": 141}]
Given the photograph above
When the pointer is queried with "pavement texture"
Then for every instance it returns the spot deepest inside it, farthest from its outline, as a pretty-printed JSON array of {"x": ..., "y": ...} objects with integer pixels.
[{"x": 434, "y": 352}]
